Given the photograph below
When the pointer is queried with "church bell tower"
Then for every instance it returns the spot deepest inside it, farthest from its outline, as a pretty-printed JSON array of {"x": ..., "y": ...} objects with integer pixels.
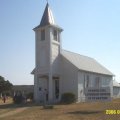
[{"x": 47, "y": 56}]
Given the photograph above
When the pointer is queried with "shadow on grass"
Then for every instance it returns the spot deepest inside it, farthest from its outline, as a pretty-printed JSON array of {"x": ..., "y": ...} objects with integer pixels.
[
  {"x": 85, "y": 112},
  {"x": 12, "y": 105}
]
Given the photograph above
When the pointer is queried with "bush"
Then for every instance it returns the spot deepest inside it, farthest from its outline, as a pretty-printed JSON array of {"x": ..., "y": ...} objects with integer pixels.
[
  {"x": 48, "y": 106},
  {"x": 18, "y": 99},
  {"x": 68, "y": 98}
]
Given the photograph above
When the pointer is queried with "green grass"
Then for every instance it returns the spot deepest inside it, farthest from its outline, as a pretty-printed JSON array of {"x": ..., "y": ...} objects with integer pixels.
[{"x": 79, "y": 111}]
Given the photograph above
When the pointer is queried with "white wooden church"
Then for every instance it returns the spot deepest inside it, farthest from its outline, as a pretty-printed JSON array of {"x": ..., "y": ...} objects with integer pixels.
[{"x": 58, "y": 71}]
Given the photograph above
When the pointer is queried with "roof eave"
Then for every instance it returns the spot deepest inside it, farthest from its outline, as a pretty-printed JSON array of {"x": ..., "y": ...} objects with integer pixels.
[
  {"x": 50, "y": 25},
  {"x": 96, "y": 72},
  {"x": 33, "y": 71}
]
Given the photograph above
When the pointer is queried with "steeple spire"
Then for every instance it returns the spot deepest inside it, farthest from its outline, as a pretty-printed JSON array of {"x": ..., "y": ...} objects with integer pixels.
[{"x": 47, "y": 18}]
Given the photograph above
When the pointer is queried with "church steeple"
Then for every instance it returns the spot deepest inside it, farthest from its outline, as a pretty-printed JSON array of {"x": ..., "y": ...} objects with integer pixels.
[
  {"x": 47, "y": 18},
  {"x": 47, "y": 54}
]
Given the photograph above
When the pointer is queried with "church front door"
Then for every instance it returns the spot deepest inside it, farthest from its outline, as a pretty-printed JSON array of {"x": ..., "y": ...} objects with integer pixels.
[{"x": 43, "y": 89}]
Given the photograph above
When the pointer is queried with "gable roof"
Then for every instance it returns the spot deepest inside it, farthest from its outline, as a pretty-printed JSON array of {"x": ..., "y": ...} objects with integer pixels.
[
  {"x": 85, "y": 63},
  {"x": 116, "y": 84}
]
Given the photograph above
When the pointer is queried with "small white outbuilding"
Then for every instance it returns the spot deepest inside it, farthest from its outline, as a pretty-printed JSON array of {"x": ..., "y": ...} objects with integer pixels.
[{"x": 116, "y": 89}]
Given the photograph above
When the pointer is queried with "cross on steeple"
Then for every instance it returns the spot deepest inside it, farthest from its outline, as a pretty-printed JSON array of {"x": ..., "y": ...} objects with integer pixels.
[{"x": 47, "y": 1}]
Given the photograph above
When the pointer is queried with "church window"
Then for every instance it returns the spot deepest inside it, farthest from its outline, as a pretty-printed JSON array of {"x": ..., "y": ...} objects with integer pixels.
[
  {"x": 97, "y": 82},
  {"x": 86, "y": 81},
  {"x": 42, "y": 35},
  {"x": 55, "y": 35},
  {"x": 57, "y": 88}
]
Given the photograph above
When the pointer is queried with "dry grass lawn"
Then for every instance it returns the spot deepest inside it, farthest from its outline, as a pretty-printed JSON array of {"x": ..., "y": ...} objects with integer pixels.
[{"x": 79, "y": 111}]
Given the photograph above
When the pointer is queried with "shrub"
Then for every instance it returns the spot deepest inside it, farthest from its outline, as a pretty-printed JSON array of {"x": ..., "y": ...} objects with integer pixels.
[
  {"x": 18, "y": 99},
  {"x": 68, "y": 98},
  {"x": 48, "y": 106}
]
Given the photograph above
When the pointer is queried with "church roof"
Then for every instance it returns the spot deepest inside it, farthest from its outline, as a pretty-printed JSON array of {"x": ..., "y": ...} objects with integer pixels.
[{"x": 85, "y": 63}]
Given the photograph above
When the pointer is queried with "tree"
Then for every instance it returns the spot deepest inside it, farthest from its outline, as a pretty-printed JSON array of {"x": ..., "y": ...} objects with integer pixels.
[
  {"x": 5, "y": 85},
  {"x": 68, "y": 98}
]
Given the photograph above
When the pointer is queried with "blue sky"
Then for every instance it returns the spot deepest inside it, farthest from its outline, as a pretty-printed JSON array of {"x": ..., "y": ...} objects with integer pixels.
[{"x": 91, "y": 28}]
